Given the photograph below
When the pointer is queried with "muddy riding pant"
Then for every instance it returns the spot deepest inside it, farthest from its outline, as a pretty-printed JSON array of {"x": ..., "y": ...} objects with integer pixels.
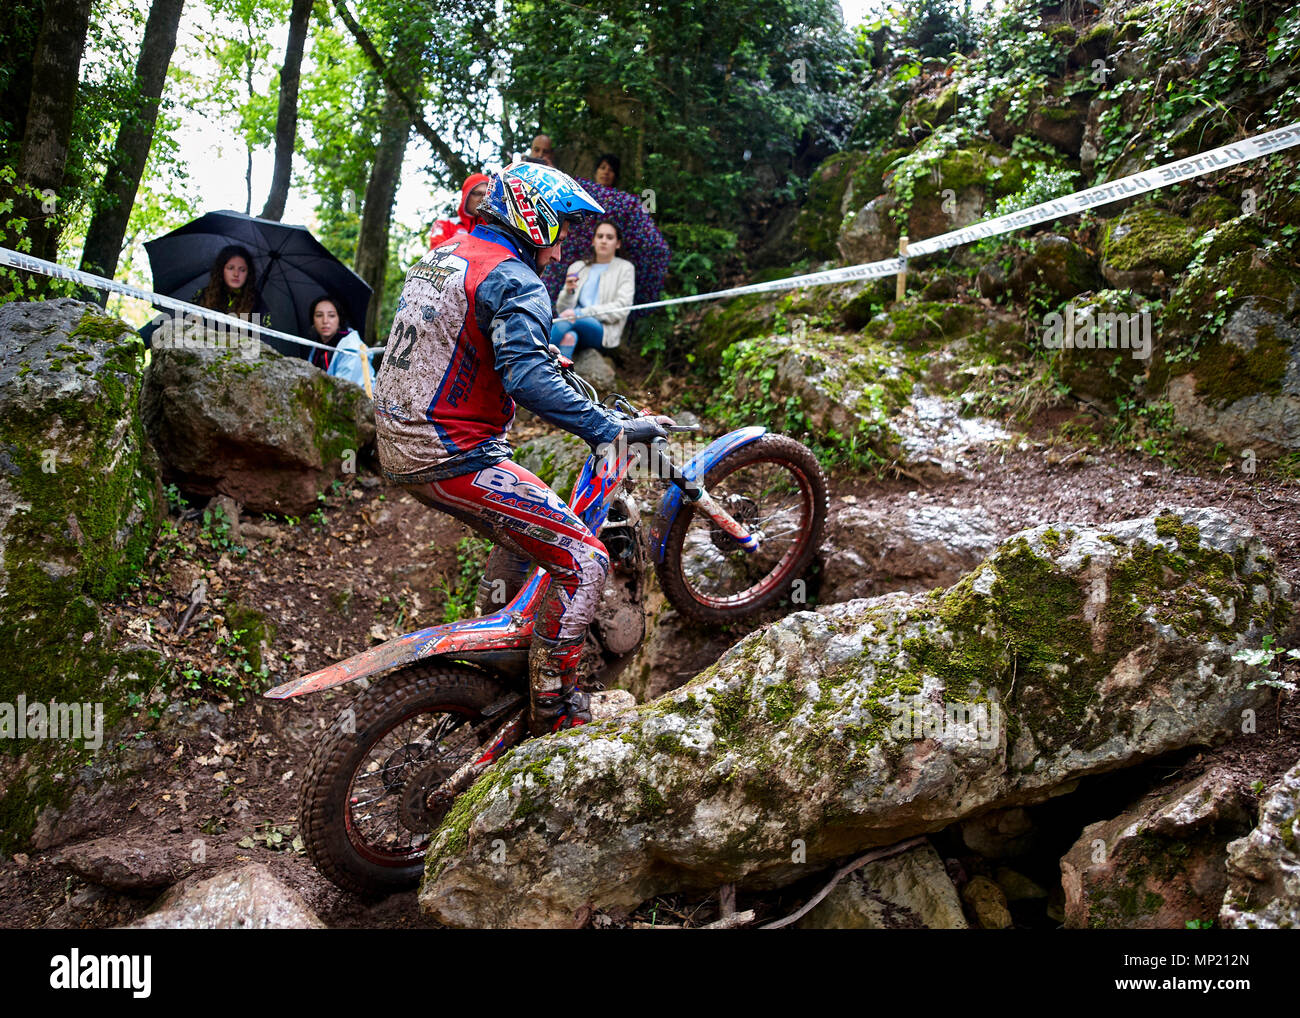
[{"x": 513, "y": 508}]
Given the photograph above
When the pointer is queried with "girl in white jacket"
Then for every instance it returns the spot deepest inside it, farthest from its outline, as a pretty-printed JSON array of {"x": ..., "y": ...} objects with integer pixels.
[{"x": 603, "y": 284}]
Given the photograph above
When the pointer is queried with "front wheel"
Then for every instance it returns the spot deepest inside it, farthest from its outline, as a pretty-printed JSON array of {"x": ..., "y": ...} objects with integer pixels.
[
  {"x": 775, "y": 487},
  {"x": 359, "y": 827}
]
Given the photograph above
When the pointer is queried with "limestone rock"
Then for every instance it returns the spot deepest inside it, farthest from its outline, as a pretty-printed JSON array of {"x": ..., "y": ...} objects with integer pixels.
[
  {"x": 1264, "y": 867},
  {"x": 989, "y": 904},
  {"x": 908, "y": 891},
  {"x": 597, "y": 369},
  {"x": 247, "y": 898},
  {"x": 270, "y": 432},
  {"x": 865, "y": 723},
  {"x": 128, "y": 862},
  {"x": 872, "y": 551},
  {"x": 1160, "y": 863}
]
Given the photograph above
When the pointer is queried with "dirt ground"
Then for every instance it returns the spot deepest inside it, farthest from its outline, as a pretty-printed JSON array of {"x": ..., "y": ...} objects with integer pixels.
[{"x": 382, "y": 564}]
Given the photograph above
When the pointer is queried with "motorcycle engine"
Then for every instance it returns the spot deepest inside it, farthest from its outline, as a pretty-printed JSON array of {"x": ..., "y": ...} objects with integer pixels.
[{"x": 620, "y": 621}]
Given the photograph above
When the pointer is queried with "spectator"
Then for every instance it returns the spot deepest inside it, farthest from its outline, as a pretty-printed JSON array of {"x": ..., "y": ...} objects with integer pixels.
[
  {"x": 471, "y": 193},
  {"x": 541, "y": 149},
  {"x": 606, "y": 281},
  {"x": 607, "y": 167},
  {"x": 329, "y": 326},
  {"x": 232, "y": 285}
]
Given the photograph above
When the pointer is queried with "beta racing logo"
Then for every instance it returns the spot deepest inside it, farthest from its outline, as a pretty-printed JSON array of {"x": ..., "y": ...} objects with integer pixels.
[
  {"x": 527, "y": 213},
  {"x": 506, "y": 489}
]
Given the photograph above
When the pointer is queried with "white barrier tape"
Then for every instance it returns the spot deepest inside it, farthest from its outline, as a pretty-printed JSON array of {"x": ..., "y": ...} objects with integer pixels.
[
  {"x": 17, "y": 260},
  {"x": 1070, "y": 204},
  {"x": 1057, "y": 208},
  {"x": 1126, "y": 187}
]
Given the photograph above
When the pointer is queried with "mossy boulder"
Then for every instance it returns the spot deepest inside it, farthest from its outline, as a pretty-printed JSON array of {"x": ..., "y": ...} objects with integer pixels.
[
  {"x": 1160, "y": 863},
  {"x": 271, "y": 432},
  {"x": 960, "y": 188},
  {"x": 833, "y": 183},
  {"x": 1068, "y": 652},
  {"x": 1109, "y": 346},
  {"x": 1229, "y": 354},
  {"x": 1263, "y": 891},
  {"x": 1145, "y": 247},
  {"x": 1055, "y": 268},
  {"x": 840, "y": 390},
  {"x": 79, "y": 505},
  {"x": 925, "y": 112}
]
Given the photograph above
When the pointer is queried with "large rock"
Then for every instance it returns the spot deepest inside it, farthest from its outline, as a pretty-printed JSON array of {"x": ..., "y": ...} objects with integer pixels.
[
  {"x": 1056, "y": 267},
  {"x": 597, "y": 369},
  {"x": 1144, "y": 248},
  {"x": 871, "y": 551},
  {"x": 247, "y": 898},
  {"x": 1159, "y": 864},
  {"x": 909, "y": 891},
  {"x": 1264, "y": 867},
  {"x": 79, "y": 505},
  {"x": 1068, "y": 652},
  {"x": 961, "y": 188},
  {"x": 271, "y": 432},
  {"x": 132, "y": 862},
  {"x": 1240, "y": 322}
]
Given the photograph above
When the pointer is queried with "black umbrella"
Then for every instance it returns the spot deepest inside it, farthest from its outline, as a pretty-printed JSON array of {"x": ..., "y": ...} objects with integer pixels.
[{"x": 293, "y": 269}]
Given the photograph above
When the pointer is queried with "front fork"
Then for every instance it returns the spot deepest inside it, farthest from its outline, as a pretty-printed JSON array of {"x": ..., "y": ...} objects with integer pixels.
[{"x": 695, "y": 492}]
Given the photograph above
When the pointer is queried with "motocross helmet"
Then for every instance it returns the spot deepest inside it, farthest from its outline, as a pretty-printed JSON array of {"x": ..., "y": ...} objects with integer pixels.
[{"x": 531, "y": 202}]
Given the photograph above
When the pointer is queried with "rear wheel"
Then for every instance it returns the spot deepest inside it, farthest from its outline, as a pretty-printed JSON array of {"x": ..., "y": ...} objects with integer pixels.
[
  {"x": 357, "y": 828},
  {"x": 775, "y": 487}
]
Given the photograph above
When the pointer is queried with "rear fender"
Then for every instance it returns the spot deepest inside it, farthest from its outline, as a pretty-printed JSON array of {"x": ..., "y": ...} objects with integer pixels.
[
  {"x": 699, "y": 465},
  {"x": 500, "y": 636}
]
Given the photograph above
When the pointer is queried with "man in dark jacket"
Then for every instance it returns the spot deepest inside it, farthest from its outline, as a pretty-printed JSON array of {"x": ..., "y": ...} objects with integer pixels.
[{"x": 471, "y": 337}]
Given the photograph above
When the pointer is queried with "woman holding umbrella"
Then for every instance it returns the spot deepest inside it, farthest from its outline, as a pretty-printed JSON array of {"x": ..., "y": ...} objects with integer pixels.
[{"x": 232, "y": 285}]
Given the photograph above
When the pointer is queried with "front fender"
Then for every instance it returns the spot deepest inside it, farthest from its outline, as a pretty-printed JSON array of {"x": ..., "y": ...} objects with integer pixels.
[{"x": 699, "y": 465}]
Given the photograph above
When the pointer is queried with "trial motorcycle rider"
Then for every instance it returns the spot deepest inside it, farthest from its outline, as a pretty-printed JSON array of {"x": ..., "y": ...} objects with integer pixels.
[{"x": 469, "y": 341}]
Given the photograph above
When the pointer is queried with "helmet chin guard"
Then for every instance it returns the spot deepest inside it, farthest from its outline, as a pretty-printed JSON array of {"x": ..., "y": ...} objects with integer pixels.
[{"x": 533, "y": 202}]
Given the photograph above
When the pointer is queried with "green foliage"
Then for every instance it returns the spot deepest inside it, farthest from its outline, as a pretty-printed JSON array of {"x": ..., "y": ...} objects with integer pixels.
[
  {"x": 471, "y": 557},
  {"x": 936, "y": 28},
  {"x": 694, "y": 97},
  {"x": 1264, "y": 658}
]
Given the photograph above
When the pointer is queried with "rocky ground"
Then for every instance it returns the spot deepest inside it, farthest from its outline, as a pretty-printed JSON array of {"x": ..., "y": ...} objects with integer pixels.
[{"x": 218, "y": 774}]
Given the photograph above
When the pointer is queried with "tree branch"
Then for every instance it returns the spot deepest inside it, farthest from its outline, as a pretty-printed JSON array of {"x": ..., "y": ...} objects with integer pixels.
[{"x": 450, "y": 159}]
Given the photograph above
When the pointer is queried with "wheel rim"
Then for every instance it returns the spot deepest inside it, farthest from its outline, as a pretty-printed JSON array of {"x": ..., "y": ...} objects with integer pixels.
[
  {"x": 769, "y": 495},
  {"x": 374, "y": 817}
]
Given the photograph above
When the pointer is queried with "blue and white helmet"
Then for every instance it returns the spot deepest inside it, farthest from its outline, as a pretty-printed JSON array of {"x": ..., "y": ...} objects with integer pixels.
[{"x": 533, "y": 201}]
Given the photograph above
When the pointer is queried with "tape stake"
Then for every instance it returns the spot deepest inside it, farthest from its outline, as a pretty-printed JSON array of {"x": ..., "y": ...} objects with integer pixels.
[{"x": 900, "y": 287}]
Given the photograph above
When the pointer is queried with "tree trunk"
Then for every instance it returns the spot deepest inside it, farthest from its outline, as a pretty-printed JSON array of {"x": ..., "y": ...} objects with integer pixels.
[
  {"x": 286, "y": 120},
  {"x": 458, "y": 167},
  {"x": 134, "y": 138},
  {"x": 18, "y": 40},
  {"x": 377, "y": 212},
  {"x": 47, "y": 134}
]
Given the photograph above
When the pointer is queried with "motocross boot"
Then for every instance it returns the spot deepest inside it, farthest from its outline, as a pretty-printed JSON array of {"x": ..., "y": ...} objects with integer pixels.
[{"x": 557, "y": 702}]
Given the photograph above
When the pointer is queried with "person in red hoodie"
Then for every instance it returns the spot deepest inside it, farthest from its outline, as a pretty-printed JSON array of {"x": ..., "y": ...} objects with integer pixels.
[{"x": 471, "y": 193}]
